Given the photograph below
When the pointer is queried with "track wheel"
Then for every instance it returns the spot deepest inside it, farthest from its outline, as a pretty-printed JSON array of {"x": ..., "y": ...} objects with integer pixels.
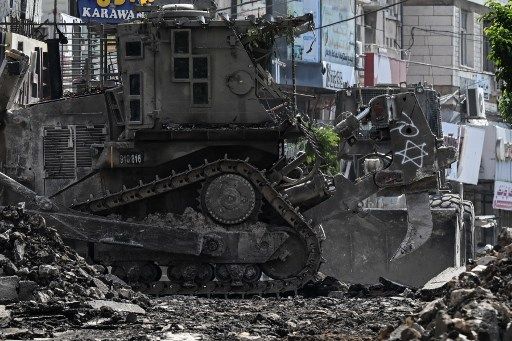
[
  {"x": 230, "y": 199},
  {"x": 189, "y": 274},
  {"x": 137, "y": 272},
  {"x": 238, "y": 274}
]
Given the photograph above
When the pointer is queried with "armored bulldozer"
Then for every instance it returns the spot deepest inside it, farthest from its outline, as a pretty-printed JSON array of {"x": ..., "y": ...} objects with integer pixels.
[{"x": 182, "y": 167}]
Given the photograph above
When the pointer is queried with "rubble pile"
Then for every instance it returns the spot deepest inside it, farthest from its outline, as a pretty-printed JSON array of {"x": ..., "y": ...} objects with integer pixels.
[
  {"x": 475, "y": 306},
  {"x": 42, "y": 277}
]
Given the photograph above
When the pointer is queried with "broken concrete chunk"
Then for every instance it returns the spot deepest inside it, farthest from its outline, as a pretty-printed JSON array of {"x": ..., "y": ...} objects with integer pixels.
[
  {"x": 478, "y": 269},
  {"x": 115, "y": 281},
  {"x": 5, "y": 317},
  {"x": 485, "y": 260},
  {"x": 98, "y": 283},
  {"x": 26, "y": 290},
  {"x": 9, "y": 289},
  {"x": 430, "y": 309},
  {"x": 19, "y": 250},
  {"x": 48, "y": 271},
  {"x": 15, "y": 334},
  {"x": 117, "y": 306}
]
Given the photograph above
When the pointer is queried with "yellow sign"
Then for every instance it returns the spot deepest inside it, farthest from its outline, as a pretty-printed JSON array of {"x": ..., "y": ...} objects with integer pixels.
[{"x": 107, "y": 3}]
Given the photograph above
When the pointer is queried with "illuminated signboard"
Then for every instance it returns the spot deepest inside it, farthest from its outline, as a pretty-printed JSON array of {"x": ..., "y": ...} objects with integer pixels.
[{"x": 109, "y": 11}]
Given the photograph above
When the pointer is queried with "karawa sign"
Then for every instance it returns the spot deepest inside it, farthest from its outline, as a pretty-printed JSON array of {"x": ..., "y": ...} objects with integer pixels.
[{"x": 109, "y": 11}]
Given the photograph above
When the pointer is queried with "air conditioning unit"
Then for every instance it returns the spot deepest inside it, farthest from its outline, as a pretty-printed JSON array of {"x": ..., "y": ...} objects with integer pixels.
[{"x": 475, "y": 102}]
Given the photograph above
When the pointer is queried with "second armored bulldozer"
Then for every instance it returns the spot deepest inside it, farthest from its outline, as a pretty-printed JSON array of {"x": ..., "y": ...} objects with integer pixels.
[{"x": 183, "y": 166}]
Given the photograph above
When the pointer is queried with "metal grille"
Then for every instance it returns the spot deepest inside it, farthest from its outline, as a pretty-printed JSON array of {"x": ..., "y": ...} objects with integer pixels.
[
  {"x": 59, "y": 153},
  {"x": 68, "y": 148},
  {"x": 89, "y": 59},
  {"x": 85, "y": 137}
]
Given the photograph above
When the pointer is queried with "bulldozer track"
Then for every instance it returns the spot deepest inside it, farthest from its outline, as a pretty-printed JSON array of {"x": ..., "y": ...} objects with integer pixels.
[{"x": 311, "y": 236}]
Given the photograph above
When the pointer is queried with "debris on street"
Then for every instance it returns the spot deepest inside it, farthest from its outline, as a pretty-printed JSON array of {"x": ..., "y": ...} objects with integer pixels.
[
  {"x": 477, "y": 305},
  {"x": 44, "y": 282}
]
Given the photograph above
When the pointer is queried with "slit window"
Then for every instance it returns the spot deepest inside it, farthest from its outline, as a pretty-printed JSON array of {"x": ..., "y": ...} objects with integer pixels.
[
  {"x": 135, "y": 84},
  {"x": 135, "y": 112},
  {"x": 133, "y": 49},
  {"x": 181, "y": 68},
  {"x": 135, "y": 97},
  {"x": 181, "y": 55},
  {"x": 200, "y": 93},
  {"x": 190, "y": 68},
  {"x": 200, "y": 67},
  {"x": 182, "y": 42},
  {"x": 200, "y": 80}
]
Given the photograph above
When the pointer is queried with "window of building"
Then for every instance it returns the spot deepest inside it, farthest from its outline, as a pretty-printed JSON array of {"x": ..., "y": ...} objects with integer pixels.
[
  {"x": 135, "y": 97},
  {"x": 486, "y": 48},
  {"x": 464, "y": 39},
  {"x": 20, "y": 46},
  {"x": 133, "y": 49},
  {"x": 370, "y": 24}
]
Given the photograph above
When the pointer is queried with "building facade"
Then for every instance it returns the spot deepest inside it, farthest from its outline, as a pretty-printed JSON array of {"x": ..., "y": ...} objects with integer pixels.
[{"x": 446, "y": 47}]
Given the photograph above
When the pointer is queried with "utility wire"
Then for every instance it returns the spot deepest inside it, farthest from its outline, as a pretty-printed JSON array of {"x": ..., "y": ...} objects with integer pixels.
[
  {"x": 327, "y": 25},
  {"x": 361, "y": 15},
  {"x": 450, "y": 68}
]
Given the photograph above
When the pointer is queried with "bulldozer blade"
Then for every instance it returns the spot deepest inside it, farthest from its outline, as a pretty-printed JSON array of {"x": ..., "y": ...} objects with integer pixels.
[{"x": 419, "y": 223}]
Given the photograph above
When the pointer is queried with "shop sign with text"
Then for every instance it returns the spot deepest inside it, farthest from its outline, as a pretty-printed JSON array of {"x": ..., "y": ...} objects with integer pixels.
[
  {"x": 109, "y": 11},
  {"x": 502, "y": 196},
  {"x": 336, "y": 76}
]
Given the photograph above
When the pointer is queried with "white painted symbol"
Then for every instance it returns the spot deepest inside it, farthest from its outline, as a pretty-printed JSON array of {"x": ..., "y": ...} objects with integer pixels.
[
  {"x": 413, "y": 153},
  {"x": 407, "y": 129}
]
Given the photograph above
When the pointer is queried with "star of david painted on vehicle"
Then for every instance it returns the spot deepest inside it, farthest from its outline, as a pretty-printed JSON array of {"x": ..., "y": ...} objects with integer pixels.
[{"x": 413, "y": 153}]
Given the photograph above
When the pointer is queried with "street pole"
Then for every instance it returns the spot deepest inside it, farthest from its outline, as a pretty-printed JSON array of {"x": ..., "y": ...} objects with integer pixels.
[
  {"x": 294, "y": 82},
  {"x": 55, "y": 18}
]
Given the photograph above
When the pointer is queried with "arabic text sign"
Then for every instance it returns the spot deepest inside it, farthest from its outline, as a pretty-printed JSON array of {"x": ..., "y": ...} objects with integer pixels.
[
  {"x": 502, "y": 196},
  {"x": 338, "y": 41}
]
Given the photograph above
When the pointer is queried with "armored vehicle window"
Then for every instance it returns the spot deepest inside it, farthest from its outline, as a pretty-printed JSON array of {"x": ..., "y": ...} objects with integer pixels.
[
  {"x": 200, "y": 80},
  {"x": 200, "y": 94},
  {"x": 135, "y": 97},
  {"x": 181, "y": 68},
  {"x": 181, "y": 42},
  {"x": 200, "y": 67},
  {"x": 135, "y": 84},
  {"x": 135, "y": 111},
  {"x": 133, "y": 49}
]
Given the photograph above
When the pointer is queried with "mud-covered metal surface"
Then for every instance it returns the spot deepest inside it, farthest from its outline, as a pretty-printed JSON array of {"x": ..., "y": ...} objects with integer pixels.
[{"x": 359, "y": 247}]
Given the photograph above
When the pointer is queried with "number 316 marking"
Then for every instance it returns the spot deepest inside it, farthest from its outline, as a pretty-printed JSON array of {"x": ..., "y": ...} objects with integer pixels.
[{"x": 131, "y": 159}]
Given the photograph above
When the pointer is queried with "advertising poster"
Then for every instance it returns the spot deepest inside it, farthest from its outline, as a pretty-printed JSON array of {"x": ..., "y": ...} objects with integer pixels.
[
  {"x": 338, "y": 41},
  {"x": 502, "y": 196},
  {"x": 307, "y": 46}
]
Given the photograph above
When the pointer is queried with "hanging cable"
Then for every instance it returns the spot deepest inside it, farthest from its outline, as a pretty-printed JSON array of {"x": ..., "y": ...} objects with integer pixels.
[{"x": 361, "y": 15}]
